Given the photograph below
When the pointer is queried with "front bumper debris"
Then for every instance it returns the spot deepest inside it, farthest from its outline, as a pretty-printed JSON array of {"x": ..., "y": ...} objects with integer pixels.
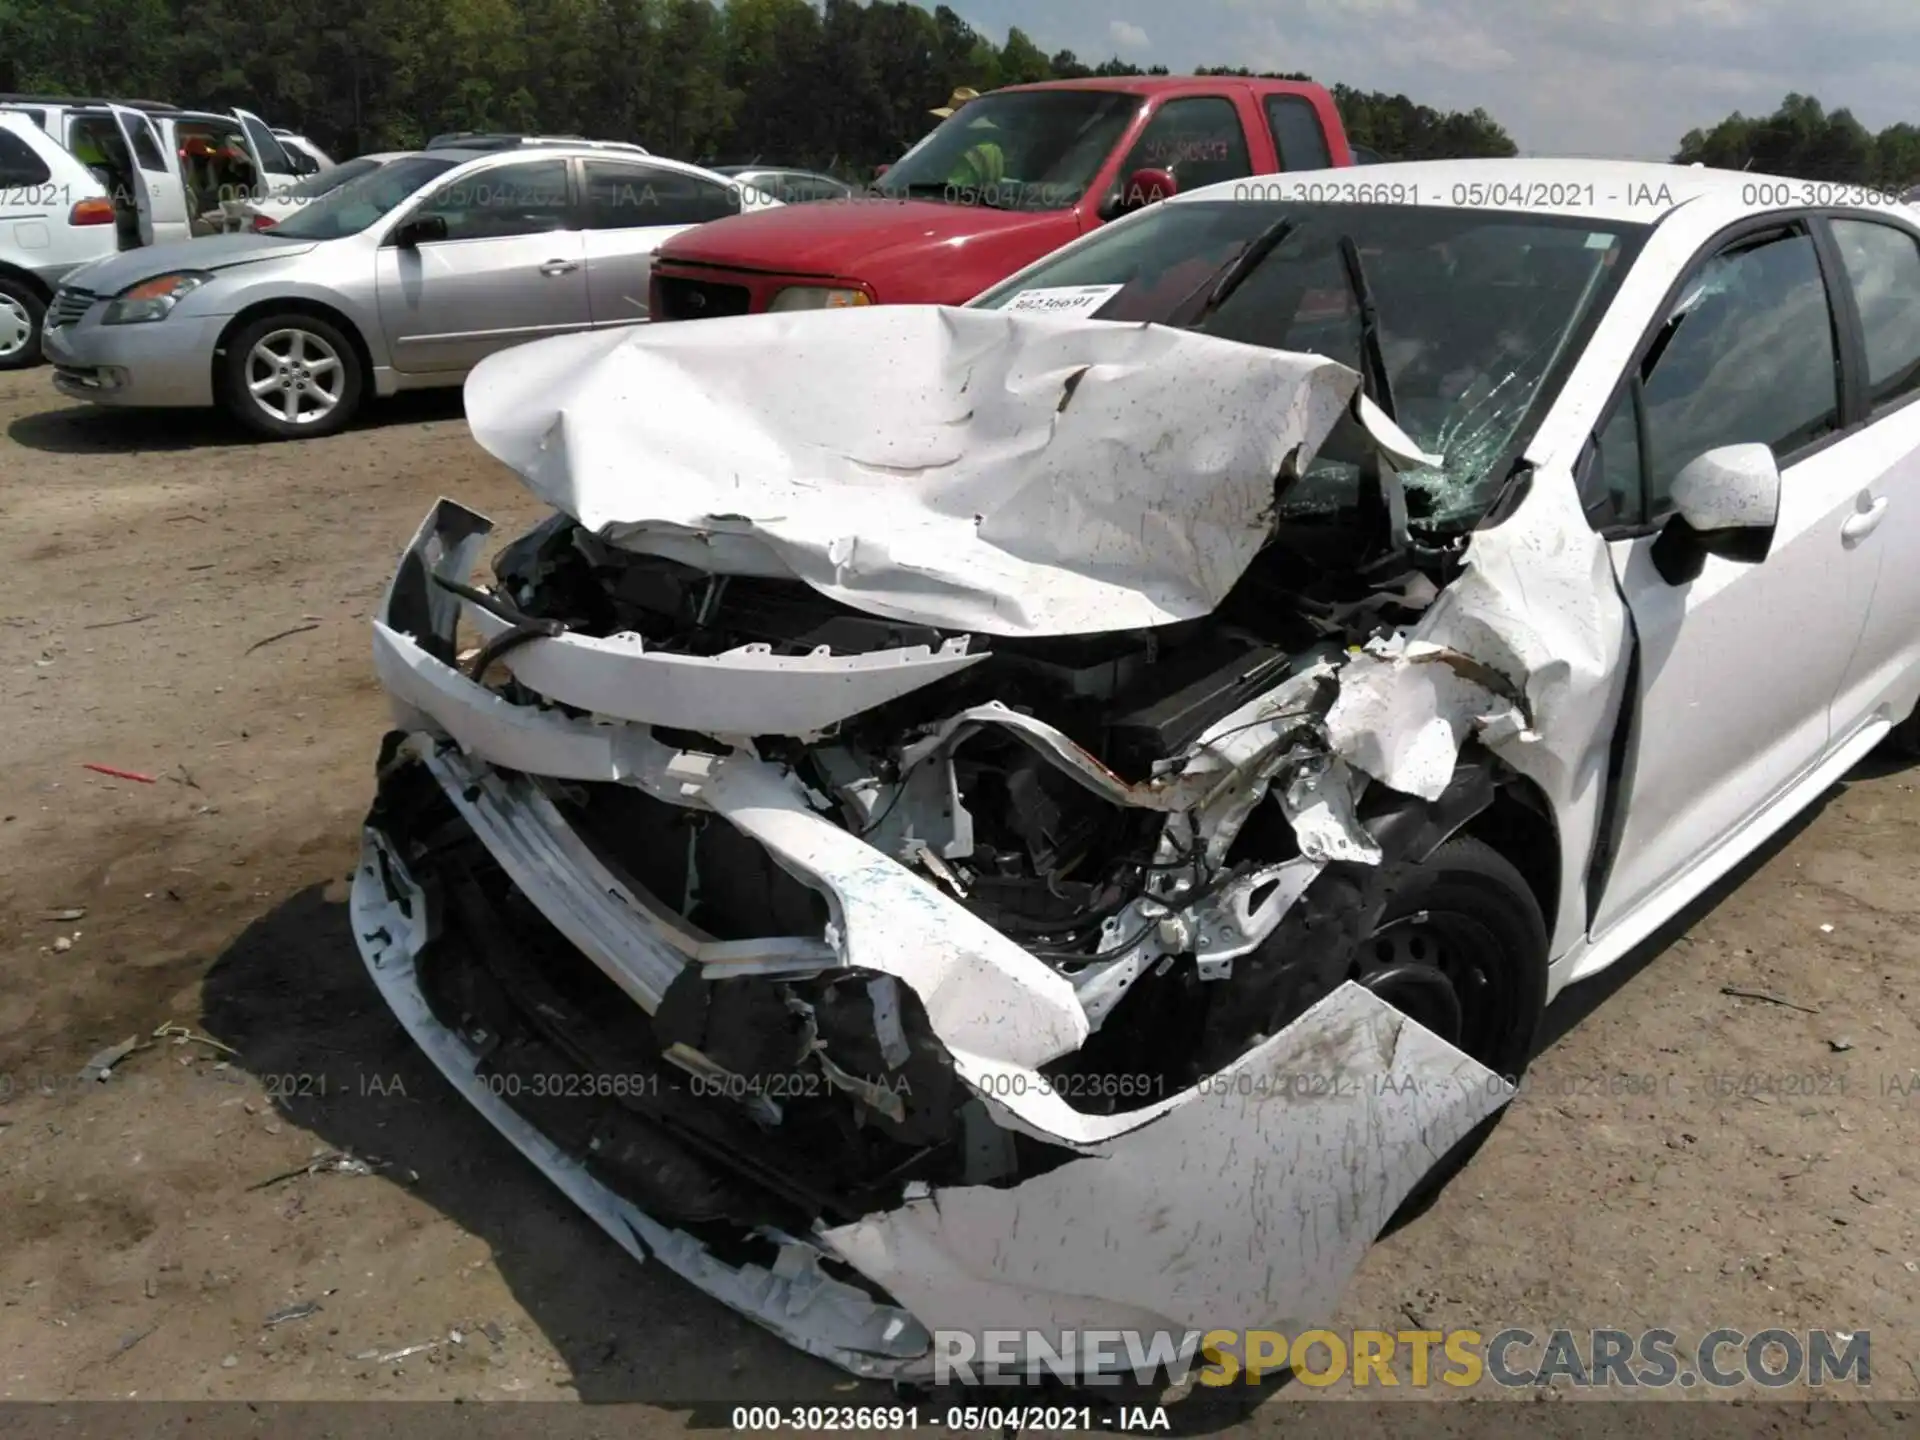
[{"x": 1245, "y": 1200}]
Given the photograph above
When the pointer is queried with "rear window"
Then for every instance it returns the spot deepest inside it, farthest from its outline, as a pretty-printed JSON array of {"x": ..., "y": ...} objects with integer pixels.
[
  {"x": 1296, "y": 133},
  {"x": 633, "y": 196},
  {"x": 19, "y": 164},
  {"x": 145, "y": 147}
]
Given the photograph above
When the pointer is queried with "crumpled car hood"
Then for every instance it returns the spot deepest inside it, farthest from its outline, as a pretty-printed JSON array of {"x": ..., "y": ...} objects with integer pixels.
[{"x": 1006, "y": 474}]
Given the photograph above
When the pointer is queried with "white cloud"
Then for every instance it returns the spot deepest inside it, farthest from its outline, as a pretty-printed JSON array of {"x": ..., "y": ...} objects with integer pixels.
[{"x": 1618, "y": 77}]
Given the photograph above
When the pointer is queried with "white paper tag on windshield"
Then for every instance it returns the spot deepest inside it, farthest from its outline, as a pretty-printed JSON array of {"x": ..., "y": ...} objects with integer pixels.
[{"x": 1063, "y": 299}]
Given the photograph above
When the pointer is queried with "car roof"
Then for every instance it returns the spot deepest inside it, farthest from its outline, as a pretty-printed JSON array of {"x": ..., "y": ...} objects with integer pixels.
[
  {"x": 776, "y": 170},
  {"x": 1634, "y": 191},
  {"x": 77, "y": 102},
  {"x": 1145, "y": 85},
  {"x": 512, "y": 140},
  {"x": 573, "y": 149}
]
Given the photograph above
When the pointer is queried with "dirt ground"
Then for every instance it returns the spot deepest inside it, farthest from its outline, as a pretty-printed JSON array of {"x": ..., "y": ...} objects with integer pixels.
[{"x": 1682, "y": 1158}]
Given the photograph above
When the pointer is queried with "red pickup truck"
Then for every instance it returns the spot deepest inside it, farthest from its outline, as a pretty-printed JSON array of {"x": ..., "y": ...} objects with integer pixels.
[{"x": 1007, "y": 178}]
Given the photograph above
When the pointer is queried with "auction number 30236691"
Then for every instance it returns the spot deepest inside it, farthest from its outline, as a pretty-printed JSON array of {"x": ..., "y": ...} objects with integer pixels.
[{"x": 997, "y": 1419}]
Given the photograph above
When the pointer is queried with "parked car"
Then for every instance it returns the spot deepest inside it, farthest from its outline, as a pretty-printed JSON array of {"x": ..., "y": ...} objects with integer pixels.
[
  {"x": 792, "y": 187},
  {"x": 291, "y": 199},
  {"x": 400, "y": 279},
  {"x": 1188, "y": 755},
  {"x": 1072, "y": 155},
  {"x": 54, "y": 217},
  {"x": 308, "y": 158},
  {"x": 173, "y": 173}
]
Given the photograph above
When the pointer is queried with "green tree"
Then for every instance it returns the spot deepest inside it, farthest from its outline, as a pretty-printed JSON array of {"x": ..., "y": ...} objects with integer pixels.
[{"x": 839, "y": 83}]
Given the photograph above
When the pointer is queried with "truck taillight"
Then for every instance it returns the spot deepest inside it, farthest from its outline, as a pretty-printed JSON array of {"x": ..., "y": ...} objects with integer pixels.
[
  {"x": 91, "y": 212},
  {"x": 264, "y": 222}
]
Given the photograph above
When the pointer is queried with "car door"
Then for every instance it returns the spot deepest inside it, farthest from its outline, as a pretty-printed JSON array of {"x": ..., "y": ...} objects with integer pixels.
[
  {"x": 1880, "y": 259},
  {"x": 511, "y": 268},
  {"x": 1198, "y": 139},
  {"x": 157, "y": 192},
  {"x": 630, "y": 209},
  {"x": 1737, "y": 664},
  {"x": 272, "y": 165}
]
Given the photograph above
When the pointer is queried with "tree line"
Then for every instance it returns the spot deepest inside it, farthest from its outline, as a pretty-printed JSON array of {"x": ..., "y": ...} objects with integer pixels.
[
  {"x": 836, "y": 85},
  {"x": 831, "y": 84},
  {"x": 1805, "y": 141}
]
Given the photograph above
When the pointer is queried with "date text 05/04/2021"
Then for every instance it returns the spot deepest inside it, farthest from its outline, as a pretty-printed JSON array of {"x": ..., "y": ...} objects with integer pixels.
[
  {"x": 963, "y": 1419},
  {"x": 1549, "y": 194}
]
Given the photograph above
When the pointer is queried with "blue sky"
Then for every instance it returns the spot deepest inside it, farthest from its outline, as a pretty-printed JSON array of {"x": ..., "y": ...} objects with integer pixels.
[{"x": 1617, "y": 77}]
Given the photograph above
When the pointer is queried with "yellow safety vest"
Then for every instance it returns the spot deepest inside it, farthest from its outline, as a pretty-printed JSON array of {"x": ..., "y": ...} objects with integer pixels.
[{"x": 983, "y": 164}]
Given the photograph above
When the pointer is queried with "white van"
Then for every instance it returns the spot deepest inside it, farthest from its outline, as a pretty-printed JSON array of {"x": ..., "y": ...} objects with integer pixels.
[
  {"x": 55, "y": 216},
  {"x": 175, "y": 173}
]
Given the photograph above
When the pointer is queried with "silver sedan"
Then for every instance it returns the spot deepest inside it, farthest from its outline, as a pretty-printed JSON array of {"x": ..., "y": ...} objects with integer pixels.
[{"x": 402, "y": 279}]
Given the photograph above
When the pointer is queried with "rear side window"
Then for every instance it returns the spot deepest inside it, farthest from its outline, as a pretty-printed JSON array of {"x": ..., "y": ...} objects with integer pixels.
[
  {"x": 1197, "y": 139},
  {"x": 96, "y": 141},
  {"x": 272, "y": 155},
  {"x": 1883, "y": 267},
  {"x": 19, "y": 165},
  {"x": 146, "y": 148},
  {"x": 625, "y": 197},
  {"x": 1297, "y": 135}
]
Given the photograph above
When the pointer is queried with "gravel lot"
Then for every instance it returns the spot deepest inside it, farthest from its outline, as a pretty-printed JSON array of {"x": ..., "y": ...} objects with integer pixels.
[{"x": 1683, "y": 1158}]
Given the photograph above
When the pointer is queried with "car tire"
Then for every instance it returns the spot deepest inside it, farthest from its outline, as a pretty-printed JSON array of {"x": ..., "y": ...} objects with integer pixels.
[
  {"x": 23, "y": 317},
  {"x": 292, "y": 357},
  {"x": 1470, "y": 883},
  {"x": 1457, "y": 941}
]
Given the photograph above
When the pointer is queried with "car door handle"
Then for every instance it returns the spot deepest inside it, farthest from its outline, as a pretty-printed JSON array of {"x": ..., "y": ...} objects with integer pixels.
[
  {"x": 1864, "y": 521},
  {"x": 559, "y": 267}
]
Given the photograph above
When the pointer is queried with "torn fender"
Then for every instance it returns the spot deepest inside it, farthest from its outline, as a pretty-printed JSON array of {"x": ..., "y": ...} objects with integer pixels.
[
  {"x": 978, "y": 470},
  {"x": 1246, "y": 1202}
]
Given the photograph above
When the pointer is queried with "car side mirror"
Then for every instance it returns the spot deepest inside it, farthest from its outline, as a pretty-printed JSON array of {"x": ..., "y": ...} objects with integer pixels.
[
  {"x": 414, "y": 233},
  {"x": 1726, "y": 503},
  {"x": 1142, "y": 188},
  {"x": 880, "y": 170}
]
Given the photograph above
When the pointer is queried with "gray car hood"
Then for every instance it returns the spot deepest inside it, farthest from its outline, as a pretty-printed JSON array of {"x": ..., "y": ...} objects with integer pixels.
[
  {"x": 214, "y": 252},
  {"x": 1001, "y": 473}
]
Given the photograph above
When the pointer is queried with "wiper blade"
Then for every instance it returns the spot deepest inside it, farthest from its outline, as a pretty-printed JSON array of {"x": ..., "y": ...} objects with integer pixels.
[
  {"x": 1236, "y": 270},
  {"x": 1373, "y": 359}
]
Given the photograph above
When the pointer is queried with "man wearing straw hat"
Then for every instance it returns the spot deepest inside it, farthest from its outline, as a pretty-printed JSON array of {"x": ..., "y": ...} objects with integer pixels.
[{"x": 984, "y": 162}]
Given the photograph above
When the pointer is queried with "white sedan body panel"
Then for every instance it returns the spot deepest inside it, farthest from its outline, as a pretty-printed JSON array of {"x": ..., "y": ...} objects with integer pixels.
[
  {"x": 1759, "y": 685},
  {"x": 1016, "y": 477}
]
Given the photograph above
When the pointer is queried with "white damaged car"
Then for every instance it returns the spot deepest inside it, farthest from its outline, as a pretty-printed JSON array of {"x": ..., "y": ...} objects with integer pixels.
[{"x": 1064, "y": 814}]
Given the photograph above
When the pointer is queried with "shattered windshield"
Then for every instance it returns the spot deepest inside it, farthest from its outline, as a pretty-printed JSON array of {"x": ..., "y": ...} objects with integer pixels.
[
  {"x": 1475, "y": 309},
  {"x": 1016, "y": 150}
]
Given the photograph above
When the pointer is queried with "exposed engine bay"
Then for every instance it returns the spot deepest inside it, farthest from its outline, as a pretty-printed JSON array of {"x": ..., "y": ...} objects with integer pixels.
[
  {"x": 1102, "y": 859},
  {"x": 866, "y": 935},
  {"x": 1141, "y": 811}
]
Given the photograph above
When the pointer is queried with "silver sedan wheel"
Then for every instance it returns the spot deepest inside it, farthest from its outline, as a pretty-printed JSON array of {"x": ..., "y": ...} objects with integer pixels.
[
  {"x": 16, "y": 327},
  {"x": 295, "y": 377}
]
